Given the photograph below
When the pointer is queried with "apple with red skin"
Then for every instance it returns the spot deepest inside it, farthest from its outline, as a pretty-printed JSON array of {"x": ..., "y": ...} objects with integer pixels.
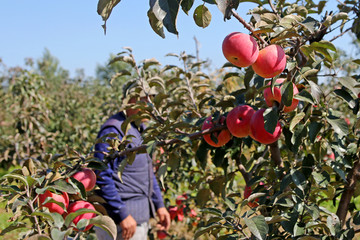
[
  {"x": 179, "y": 199},
  {"x": 270, "y": 62},
  {"x": 240, "y": 49},
  {"x": 238, "y": 120},
  {"x": 222, "y": 136},
  {"x": 275, "y": 96},
  {"x": 258, "y": 132},
  {"x": 87, "y": 177},
  {"x": 161, "y": 234},
  {"x": 75, "y": 206},
  {"x": 173, "y": 212},
  {"x": 247, "y": 193},
  {"x": 53, "y": 207}
]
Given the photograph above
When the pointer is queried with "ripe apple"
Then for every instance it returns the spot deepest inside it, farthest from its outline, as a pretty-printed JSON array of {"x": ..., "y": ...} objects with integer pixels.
[
  {"x": 258, "y": 131},
  {"x": 270, "y": 62},
  {"x": 238, "y": 120},
  {"x": 247, "y": 193},
  {"x": 161, "y": 234},
  {"x": 87, "y": 177},
  {"x": 271, "y": 97},
  {"x": 240, "y": 49},
  {"x": 181, "y": 198},
  {"x": 173, "y": 212},
  {"x": 75, "y": 206},
  {"x": 53, "y": 207},
  {"x": 222, "y": 136}
]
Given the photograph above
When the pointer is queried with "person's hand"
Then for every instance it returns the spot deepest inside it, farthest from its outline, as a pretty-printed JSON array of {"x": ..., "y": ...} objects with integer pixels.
[
  {"x": 128, "y": 226},
  {"x": 164, "y": 219}
]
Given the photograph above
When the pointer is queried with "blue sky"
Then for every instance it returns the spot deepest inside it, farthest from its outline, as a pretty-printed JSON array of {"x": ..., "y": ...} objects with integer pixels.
[{"x": 72, "y": 32}]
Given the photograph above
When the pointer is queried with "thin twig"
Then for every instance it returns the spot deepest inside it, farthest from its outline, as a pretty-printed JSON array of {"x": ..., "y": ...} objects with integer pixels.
[
  {"x": 248, "y": 26},
  {"x": 348, "y": 193},
  {"x": 273, "y": 8},
  {"x": 169, "y": 142},
  {"x": 336, "y": 37}
]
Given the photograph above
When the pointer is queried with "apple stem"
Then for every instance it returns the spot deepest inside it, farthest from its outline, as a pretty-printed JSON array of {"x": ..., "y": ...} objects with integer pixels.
[
  {"x": 248, "y": 27},
  {"x": 275, "y": 154},
  {"x": 352, "y": 178}
]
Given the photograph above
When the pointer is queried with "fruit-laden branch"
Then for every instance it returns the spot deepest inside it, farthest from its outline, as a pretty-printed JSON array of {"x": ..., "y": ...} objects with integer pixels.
[
  {"x": 353, "y": 177},
  {"x": 168, "y": 142},
  {"x": 248, "y": 27}
]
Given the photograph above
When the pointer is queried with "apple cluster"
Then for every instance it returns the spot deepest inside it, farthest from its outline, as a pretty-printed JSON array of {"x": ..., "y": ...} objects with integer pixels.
[
  {"x": 242, "y": 50},
  {"x": 60, "y": 203}
]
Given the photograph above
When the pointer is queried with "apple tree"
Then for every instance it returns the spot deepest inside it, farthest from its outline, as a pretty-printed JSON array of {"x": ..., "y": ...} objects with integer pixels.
[{"x": 300, "y": 160}]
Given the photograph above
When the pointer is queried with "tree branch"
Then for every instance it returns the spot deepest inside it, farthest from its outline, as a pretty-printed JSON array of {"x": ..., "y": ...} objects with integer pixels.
[
  {"x": 248, "y": 26},
  {"x": 168, "y": 142},
  {"x": 348, "y": 193},
  {"x": 275, "y": 154}
]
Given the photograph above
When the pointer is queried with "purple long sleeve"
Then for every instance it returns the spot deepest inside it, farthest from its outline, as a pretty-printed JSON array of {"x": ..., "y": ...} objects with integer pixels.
[{"x": 107, "y": 184}]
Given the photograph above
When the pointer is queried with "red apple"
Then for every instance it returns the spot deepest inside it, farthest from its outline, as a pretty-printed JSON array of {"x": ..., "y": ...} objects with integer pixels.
[
  {"x": 181, "y": 198},
  {"x": 75, "y": 206},
  {"x": 222, "y": 136},
  {"x": 258, "y": 131},
  {"x": 270, "y": 62},
  {"x": 238, "y": 120},
  {"x": 173, "y": 212},
  {"x": 53, "y": 207},
  {"x": 271, "y": 97},
  {"x": 87, "y": 177},
  {"x": 180, "y": 214},
  {"x": 240, "y": 49},
  {"x": 161, "y": 234},
  {"x": 247, "y": 193}
]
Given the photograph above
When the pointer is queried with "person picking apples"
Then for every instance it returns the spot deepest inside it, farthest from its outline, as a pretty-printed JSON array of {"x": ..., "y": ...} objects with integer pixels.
[{"x": 134, "y": 200}]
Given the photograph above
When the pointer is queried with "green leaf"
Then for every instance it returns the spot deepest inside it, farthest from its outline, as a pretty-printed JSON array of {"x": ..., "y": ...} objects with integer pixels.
[
  {"x": 298, "y": 117},
  {"x": 149, "y": 62},
  {"x": 346, "y": 96},
  {"x": 166, "y": 11},
  {"x": 71, "y": 216},
  {"x": 186, "y": 5},
  {"x": 202, "y": 16},
  {"x": 321, "y": 178},
  {"x": 12, "y": 227},
  {"x": 226, "y": 6},
  {"x": 339, "y": 16},
  {"x": 324, "y": 44},
  {"x": 213, "y": 211},
  {"x": 316, "y": 91},
  {"x": 287, "y": 93},
  {"x": 57, "y": 234},
  {"x": 298, "y": 178},
  {"x": 314, "y": 128},
  {"x": 119, "y": 74},
  {"x": 206, "y": 229},
  {"x": 349, "y": 83},
  {"x": 156, "y": 24},
  {"x": 270, "y": 120},
  {"x": 310, "y": 24},
  {"x": 39, "y": 237},
  {"x": 339, "y": 125},
  {"x": 257, "y": 226},
  {"x": 17, "y": 177},
  {"x": 104, "y": 9},
  {"x": 305, "y": 96},
  {"x": 63, "y": 186},
  {"x": 106, "y": 223},
  {"x": 333, "y": 223},
  {"x": 357, "y": 61},
  {"x": 203, "y": 196}
]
